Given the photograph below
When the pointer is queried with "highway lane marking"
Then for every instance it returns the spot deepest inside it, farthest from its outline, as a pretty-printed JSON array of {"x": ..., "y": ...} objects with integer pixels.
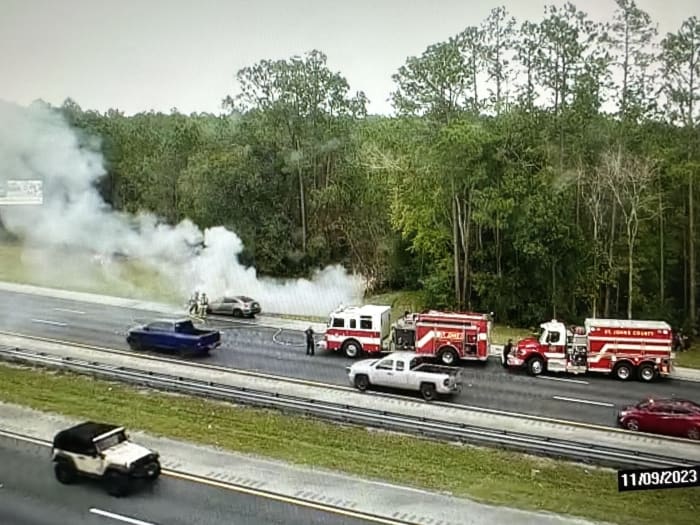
[
  {"x": 69, "y": 311},
  {"x": 585, "y": 401},
  {"x": 233, "y": 488},
  {"x": 579, "y": 381},
  {"x": 285, "y": 499},
  {"x": 44, "y": 321},
  {"x": 119, "y": 517}
]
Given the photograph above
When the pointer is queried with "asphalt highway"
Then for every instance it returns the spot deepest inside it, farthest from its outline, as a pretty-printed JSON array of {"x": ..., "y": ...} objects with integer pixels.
[
  {"x": 245, "y": 346},
  {"x": 30, "y": 495}
]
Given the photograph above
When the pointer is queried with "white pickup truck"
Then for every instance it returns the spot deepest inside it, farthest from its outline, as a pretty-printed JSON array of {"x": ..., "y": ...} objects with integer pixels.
[{"x": 406, "y": 371}]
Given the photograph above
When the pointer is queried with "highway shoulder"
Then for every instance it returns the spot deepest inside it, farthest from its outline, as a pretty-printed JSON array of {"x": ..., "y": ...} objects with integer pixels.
[{"x": 319, "y": 489}]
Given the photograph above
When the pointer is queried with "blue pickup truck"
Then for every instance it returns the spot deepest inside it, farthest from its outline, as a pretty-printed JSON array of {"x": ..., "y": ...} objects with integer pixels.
[{"x": 179, "y": 336}]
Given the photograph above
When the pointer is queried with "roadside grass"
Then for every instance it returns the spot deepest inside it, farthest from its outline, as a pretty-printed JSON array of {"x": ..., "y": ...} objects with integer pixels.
[
  {"x": 689, "y": 358},
  {"x": 487, "y": 475}
]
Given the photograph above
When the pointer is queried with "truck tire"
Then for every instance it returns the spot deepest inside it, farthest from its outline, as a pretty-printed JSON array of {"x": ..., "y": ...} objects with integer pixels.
[
  {"x": 117, "y": 483},
  {"x": 646, "y": 373},
  {"x": 428, "y": 392},
  {"x": 535, "y": 366},
  {"x": 448, "y": 357},
  {"x": 361, "y": 382},
  {"x": 623, "y": 371},
  {"x": 65, "y": 472},
  {"x": 352, "y": 349}
]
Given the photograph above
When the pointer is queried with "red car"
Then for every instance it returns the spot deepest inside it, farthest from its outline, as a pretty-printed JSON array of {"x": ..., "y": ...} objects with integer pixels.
[{"x": 673, "y": 417}]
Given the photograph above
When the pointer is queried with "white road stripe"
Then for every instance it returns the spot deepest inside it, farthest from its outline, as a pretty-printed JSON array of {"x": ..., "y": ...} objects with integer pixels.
[
  {"x": 44, "y": 321},
  {"x": 69, "y": 311},
  {"x": 585, "y": 401},
  {"x": 119, "y": 517},
  {"x": 579, "y": 381}
]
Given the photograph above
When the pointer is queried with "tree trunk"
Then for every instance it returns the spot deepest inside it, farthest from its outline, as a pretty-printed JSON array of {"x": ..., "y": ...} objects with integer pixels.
[
  {"x": 466, "y": 288},
  {"x": 455, "y": 247},
  {"x": 302, "y": 205},
  {"x": 630, "y": 275},
  {"x": 611, "y": 253},
  {"x": 662, "y": 291},
  {"x": 691, "y": 253},
  {"x": 554, "y": 290}
]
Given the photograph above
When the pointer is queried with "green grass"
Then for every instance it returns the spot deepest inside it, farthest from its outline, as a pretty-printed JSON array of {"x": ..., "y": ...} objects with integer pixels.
[
  {"x": 80, "y": 273},
  {"x": 486, "y": 475},
  {"x": 689, "y": 358}
]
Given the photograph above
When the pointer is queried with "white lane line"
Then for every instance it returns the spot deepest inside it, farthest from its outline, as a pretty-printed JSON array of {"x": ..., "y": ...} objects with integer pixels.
[
  {"x": 69, "y": 311},
  {"x": 44, "y": 321},
  {"x": 579, "y": 381},
  {"x": 585, "y": 401},
  {"x": 119, "y": 517}
]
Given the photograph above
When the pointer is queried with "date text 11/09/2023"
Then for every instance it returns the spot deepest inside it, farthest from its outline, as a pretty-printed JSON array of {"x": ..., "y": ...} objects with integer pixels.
[{"x": 658, "y": 478}]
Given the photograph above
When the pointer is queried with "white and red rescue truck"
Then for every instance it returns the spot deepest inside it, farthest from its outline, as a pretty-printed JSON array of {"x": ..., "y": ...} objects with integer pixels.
[
  {"x": 357, "y": 329},
  {"x": 447, "y": 336},
  {"x": 623, "y": 348}
]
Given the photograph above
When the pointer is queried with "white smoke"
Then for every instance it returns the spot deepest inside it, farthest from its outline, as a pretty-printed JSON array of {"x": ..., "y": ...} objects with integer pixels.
[{"x": 37, "y": 143}]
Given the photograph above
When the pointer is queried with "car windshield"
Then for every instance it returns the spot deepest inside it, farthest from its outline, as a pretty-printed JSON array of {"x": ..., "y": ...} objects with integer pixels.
[
  {"x": 245, "y": 298},
  {"x": 108, "y": 442}
]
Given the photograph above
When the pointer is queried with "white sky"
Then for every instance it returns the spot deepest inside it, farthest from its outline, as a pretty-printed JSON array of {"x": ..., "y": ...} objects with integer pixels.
[{"x": 138, "y": 55}]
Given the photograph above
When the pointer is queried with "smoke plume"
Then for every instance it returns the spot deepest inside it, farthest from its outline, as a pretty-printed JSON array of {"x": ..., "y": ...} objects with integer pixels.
[{"x": 37, "y": 143}]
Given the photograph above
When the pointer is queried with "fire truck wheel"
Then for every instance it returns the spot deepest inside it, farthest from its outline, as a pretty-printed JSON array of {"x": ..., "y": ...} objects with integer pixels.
[
  {"x": 362, "y": 382},
  {"x": 351, "y": 349},
  {"x": 427, "y": 390},
  {"x": 646, "y": 373},
  {"x": 623, "y": 371},
  {"x": 448, "y": 357},
  {"x": 535, "y": 366}
]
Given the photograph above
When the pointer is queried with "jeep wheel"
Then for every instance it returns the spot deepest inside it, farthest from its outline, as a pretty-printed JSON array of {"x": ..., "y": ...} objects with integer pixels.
[
  {"x": 156, "y": 472},
  {"x": 237, "y": 313},
  {"x": 362, "y": 382},
  {"x": 65, "y": 472},
  {"x": 117, "y": 484},
  {"x": 427, "y": 390},
  {"x": 632, "y": 424}
]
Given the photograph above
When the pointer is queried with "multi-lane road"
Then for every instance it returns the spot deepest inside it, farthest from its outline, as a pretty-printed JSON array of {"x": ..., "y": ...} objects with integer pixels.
[
  {"x": 281, "y": 352},
  {"x": 29, "y": 495}
]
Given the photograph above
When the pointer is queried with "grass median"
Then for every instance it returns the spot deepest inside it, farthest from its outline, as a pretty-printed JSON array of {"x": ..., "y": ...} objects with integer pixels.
[{"x": 487, "y": 475}]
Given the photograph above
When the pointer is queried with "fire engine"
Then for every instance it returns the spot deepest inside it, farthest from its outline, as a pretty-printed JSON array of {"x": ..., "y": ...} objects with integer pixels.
[
  {"x": 623, "y": 348},
  {"x": 447, "y": 336}
]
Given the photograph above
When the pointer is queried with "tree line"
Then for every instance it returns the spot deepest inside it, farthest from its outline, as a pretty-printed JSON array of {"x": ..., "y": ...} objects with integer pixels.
[{"x": 534, "y": 169}]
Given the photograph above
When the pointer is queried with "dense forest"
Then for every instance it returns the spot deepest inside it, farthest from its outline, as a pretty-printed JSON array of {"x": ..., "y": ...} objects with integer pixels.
[{"x": 533, "y": 169}]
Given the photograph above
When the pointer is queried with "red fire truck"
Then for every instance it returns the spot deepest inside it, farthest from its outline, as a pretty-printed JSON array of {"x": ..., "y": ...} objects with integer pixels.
[
  {"x": 623, "y": 348},
  {"x": 449, "y": 336}
]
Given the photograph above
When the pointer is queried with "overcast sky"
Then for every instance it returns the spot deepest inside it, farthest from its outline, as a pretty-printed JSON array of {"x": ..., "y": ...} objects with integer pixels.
[{"x": 138, "y": 55}]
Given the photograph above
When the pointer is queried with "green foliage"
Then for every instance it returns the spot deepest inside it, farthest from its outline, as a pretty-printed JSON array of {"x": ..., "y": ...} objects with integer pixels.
[{"x": 480, "y": 193}]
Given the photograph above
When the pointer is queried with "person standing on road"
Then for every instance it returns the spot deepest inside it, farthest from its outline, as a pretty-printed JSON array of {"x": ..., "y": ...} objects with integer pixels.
[
  {"x": 310, "y": 343},
  {"x": 506, "y": 350}
]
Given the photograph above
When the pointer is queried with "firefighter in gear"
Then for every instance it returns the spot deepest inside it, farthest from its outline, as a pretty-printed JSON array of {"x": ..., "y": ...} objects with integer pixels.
[
  {"x": 310, "y": 343},
  {"x": 203, "y": 305},
  {"x": 194, "y": 303},
  {"x": 506, "y": 351}
]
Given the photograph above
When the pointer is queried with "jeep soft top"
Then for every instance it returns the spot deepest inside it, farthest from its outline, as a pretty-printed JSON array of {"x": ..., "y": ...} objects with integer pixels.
[{"x": 82, "y": 437}]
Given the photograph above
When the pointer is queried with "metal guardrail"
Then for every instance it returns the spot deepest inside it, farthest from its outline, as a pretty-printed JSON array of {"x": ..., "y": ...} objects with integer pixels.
[{"x": 584, "y": 452}]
